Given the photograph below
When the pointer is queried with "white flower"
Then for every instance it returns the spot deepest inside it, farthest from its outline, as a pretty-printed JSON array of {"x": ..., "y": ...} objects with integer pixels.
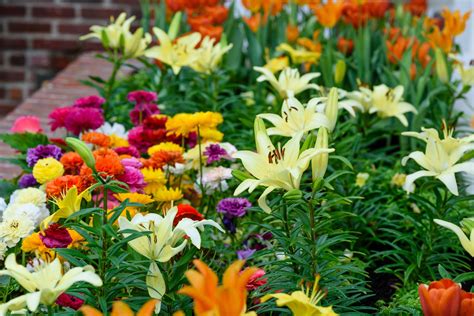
[
  {"x": 388, "y": 102},
  {"x": 28, "y": 210},
  {"x": 343, "y": 103},
  {"x": 113, "y": 129},
  {"x": 178, "y": 168},
  {"x": 290, "y": 82},
  {"x": 209, "y": 55},
  {"x": 45, "y": 284},
  {"x": 15, "y": 228},
  {"x": 29, "y": 195},
  {"x": 3, "y": 249},
  {"x": 214, "y": 179},
  {"x": 3, "y": 206}
]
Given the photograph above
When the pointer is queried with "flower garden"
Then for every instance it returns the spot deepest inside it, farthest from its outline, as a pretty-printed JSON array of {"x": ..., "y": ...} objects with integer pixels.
[{"x": 304, "y": 158}]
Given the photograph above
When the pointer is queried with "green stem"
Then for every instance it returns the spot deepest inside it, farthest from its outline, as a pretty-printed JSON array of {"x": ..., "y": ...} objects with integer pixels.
[
  {"x": 103, "y": 260},
  {"x": 201, "y": 185},
  {"x": 312, "y": 225},
  {"x": 50, "y": 310},
  {"x": 291, "y": 248}
]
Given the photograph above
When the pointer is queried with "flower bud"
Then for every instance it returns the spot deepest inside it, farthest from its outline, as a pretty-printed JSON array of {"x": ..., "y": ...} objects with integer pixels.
[
  {"x": 293, "y": 195},
  {"x": 319, "y": 163},
  {"x": 340, "y": 71},
  {"x": 174, "y": 26},
  {"x": 441, "y": 67},
  {"x": 240, "y": 175},
  {"x": 467, "y": 224},
  {"x": 332, "y": 108},
  {"x": 81, "y": 148}
]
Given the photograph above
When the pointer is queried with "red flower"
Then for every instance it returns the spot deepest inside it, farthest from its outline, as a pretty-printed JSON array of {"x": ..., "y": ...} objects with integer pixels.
[
  {"x": 67, "y": 300},
  {"x": 440, "y": 298},
  {"x": 256, "y": 280},
  {"x": 345, "y": 45},
  {"x": 467, "y": 304},
  {"x": 187, "y": 211},
  {"x": 56, "y": 236}
]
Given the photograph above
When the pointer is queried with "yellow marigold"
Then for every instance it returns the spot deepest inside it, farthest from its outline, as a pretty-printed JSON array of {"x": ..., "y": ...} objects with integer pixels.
[
  {"x": 47, "y": 169},
  {"x": 117, "y": 141},
  {"x": 34, "y": 244},
  {"x": 210, "y": 135},
  {"x": 185, "y": 123},
  {"x": 164, "y": 194},
  {"x": 166, "y": 146},
  {"x": 398, "y": 179},
  {"x": 96, "y": 138},
  {"x": 154, "y": 178},
  {"x": 133, "y": 198}
]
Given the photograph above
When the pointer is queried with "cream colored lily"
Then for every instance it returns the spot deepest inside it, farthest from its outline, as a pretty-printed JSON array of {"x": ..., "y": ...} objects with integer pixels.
[
  {"x": 295, "y": 118},
  {"x": 44, "y": 284},
  {"x": 301, "y": 55},
  {"x": 319, "y": 164},
  {"x": 467, "y": 74},
  {"x": 441, "y": 157},
  {"x": 387, "y": 102},
  {"x": 290, "y": 82},
  {"x": 67, "y": 205},
  {"x": 274, "y": 168},
  {"x": 177, "y": 54},
  {"x": 467, "y": 243},
  {"x": 162, "y": 244},
  {"x": 209, "y": 55}
]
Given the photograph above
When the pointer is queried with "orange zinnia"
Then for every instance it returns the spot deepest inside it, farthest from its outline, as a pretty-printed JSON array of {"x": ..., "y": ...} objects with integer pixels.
[
  {"x": 209, "y": 298},
  {"x": 161, "y": 158},
  {"x": 121, "y": 309},
  {"x": 97, "y": 139},
  {"x": 71, "y": 162},
  {"x": 61, "y": 185},
  {"x": 329, "y": 14}
]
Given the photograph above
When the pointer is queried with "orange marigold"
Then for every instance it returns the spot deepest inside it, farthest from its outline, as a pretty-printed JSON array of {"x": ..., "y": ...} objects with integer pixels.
[
  {"x": 60, "y": 185},
  {"x": 160, "y": 158},
  {"x": 72, "y": 163},
  {"x": 97, "y": 139}
]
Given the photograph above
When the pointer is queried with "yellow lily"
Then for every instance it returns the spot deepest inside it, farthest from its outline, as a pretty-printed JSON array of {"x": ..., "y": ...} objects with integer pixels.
[
  {"x": 209, "y": 55},
  {"x": 162, "y": 244},
  {"x": 274, "y": 168},
  {"x": 295, "y": 118},
  {"x": 387, "y": 102},
  {"x": 467, "y": 243},
  {"x": 176, "y": 54},
  {"x": 290, "y": 82},
  {"x": 44, "y": 284},
  {"x": 277, "y": 64},
  {"x": 67, "y": 205},
  {"x": 299, "y": 56},
  {"x": 120, "y": 308},
  {"x": 304, "y": 302},
  {"x": 441, "y": 157},
  {"x": 467, "y": 75}
]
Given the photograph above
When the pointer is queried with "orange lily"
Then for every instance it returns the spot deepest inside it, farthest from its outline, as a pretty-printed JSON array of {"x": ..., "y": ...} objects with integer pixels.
[
  {"x": 416, "y": 7},
  {"x": 228, "y": 299},
  {"x": 440, "y": 298},
  {"x": 356, "y": 12},
  {"x": 121, "y": 309},
  {"x": 292, "y": 33},
  {"x": 454, "y": 23},
  {"x": 442, "y": 40},
  {"x": 254, "y": 22},
  {"x": 329, "y": 14},
  {"x": 345, "y": 45}
]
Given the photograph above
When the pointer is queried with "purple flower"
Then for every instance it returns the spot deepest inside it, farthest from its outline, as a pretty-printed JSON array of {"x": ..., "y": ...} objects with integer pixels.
[
  {"x": 229, "y": 224},
  {"x": 142, "y": 96},
  {"x": 26, "y": 181},
  {"x": 214, "y": 152},
  {"x": 42, "y": 151},
  {"x": 134, "y": 178},
  {"x": 233, "y": 207},
  {"x": 92, "y": 101},
  {"x": 78, "y": 119},
  {"x": 244, "y": 254},
  {"x": 132, "y": 162}
]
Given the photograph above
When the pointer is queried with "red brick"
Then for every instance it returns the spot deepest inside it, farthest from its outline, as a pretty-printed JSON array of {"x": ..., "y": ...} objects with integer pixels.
[
  {"x": 11, "y": 76},
  {"x": 4, "y": 110},
  {"x": 53, "y": 12},
  {"x": 40, "y": 61},
  {"x": 60, "y": 62},
  {"x": 2, "y": 93},
  {"x": 25, "y": 27},
  {"x": 66, "y": 28},
  {"x": 99, "y": 13},
  {"x": 12, "y": 10},
  {"x": 17, "y": 60},
  {"x": 56, "y": 44},
  {"x": 12, "y": 43},
  {"x": 15, "y": 94},
  {"x": 131, "y": 2},
  {"x": 89, "y": 45}
]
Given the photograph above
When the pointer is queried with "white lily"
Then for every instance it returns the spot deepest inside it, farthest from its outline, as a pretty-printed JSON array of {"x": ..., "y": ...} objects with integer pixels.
[
  {"x": 209, "y": 55},
  {"x": 467, "y": 243},
  {"x": 441, "y": 157},
  {"x": 274, "y": 168},
  {"x": 295, "y": 118},
  {"x": 290, "y": 82},
  {"x": 363, "y": 97},
  {"x": 176, "y": 54},
  {"x": 163, "y": 243},
  {"x": 44, "y": 284},
  {"x": 467, "y": 75},
  {"x": 387, "y": 102}
]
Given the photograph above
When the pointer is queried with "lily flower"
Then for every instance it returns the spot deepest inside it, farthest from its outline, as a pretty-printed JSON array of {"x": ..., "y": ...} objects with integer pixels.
[
  {"x": 212, "y": 299},
  {"x": 441, "y": 297},
  {"x": 295, "y": 118},
  {"x": 209, "y": 55},
  {"x": 44, "y": 284},
  {"x": 120, "y": 308},
  {"x": 304, "y": 302},
  {"x": 274, "y": 167},
  {"x": 440, "y": 159},
  {"x": 163, "y": 242},
  {"x": 290, "y": 82},
  {"x": 467, "y": 75},
  {"x": 300, "y": 55},
  {"x": 387, "y": 102},
  {"x": 176, "y": 54},
  {"x": 467, "y": 243},
  {"x": 67, "y": 205}
]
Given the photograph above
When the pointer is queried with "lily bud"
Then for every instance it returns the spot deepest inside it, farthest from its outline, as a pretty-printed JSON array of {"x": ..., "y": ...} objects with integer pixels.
[
  {"x": 467, "y": 224},
  {"x": 441, "y": 67},
  {"x": 340, "y": 72},
  {"x": 332, "y": 108},
  {"x": 262, "y": 141},
  {"x": 174, "y": 26},
  {"x": 293, "y": 195},
  {"x": 81, "y": 148},
  {"x": 240, "y": 175},
  {"x": 319, "y": 163}
]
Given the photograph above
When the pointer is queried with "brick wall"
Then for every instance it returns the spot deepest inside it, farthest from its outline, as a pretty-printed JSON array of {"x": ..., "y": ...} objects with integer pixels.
[{"x": 40, "y": 37}]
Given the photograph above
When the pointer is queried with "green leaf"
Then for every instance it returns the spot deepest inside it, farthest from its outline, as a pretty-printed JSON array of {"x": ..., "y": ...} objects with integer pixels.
[
  {"x": 443, "y": 272},
  {"x": 23, "y": 141}
]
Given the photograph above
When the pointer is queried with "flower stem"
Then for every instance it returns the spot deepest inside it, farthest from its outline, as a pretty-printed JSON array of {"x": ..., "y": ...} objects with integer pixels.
[
  {"x": 50, "y": 310},
  {"x": 104, "y": 242},
  {"x": 291, "y": 248}
]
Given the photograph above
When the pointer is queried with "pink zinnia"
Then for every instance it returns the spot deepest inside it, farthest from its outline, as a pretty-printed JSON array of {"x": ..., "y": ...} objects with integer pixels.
[
  {"x": 23, "y": 124},
  {"x": 133, "y": 178},
  {"x": 142, "y": 96},
  {"x": 92, "y": 101},
  {"x": 82, "y": 119},
  {"x": 58, "y": 116},
  {"x": 141, "y": 111}
]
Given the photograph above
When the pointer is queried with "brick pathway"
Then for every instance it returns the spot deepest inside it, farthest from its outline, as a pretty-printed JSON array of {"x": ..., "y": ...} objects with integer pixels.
[{"x": 61, "y": 91}]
